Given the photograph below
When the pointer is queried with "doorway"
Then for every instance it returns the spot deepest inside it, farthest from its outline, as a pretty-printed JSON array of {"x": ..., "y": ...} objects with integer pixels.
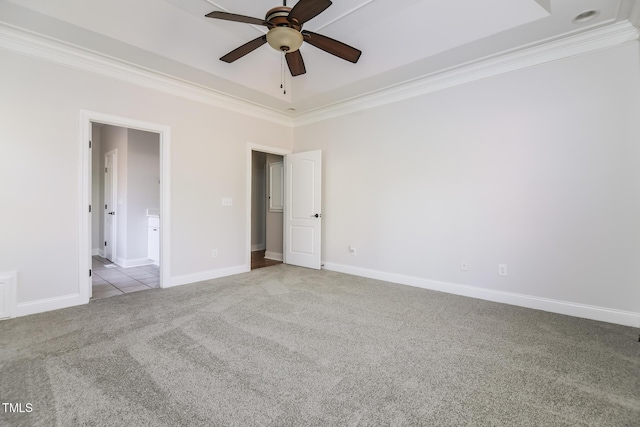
[
  {"x": 263, "y": 249},
  {"x": 267, "y": 181},
  {"x": 126, "y": 194},
  {"x": 126, "y": 185},
  {"x": 301, "y": 202}
]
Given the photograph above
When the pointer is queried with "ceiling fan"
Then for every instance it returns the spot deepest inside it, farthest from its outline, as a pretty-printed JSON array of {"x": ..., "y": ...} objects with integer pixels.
[{"x": 286, "y": 34}]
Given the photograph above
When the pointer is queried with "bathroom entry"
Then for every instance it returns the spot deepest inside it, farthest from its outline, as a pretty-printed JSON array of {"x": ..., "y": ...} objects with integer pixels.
[{"x": 125, "y": 221}]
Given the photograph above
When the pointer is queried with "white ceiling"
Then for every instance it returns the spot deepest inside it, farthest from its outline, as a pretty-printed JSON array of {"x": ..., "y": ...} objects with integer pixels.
[{"x": 401, "y": 40}]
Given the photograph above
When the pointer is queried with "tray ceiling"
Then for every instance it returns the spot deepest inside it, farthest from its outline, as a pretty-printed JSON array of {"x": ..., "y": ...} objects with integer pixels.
[{"x": 400, "y": 40}]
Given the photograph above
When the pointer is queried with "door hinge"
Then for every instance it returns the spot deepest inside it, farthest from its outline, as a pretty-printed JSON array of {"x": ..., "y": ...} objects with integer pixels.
[
  {"x": 89, "y": 144},
  {"x": 105, "y": 170},
  {"x": 89, "y": 208},
  {"x": 89, "y": 273},
  {"x": 105, "y": 243}
]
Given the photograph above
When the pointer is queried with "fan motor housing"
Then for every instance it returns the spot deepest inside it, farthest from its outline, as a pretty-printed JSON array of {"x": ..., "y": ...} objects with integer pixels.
[{"x": 278, "y": 16}]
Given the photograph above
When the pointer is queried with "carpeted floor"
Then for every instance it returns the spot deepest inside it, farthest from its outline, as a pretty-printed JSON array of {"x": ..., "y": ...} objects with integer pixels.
[{"x": 286, "y": 346}]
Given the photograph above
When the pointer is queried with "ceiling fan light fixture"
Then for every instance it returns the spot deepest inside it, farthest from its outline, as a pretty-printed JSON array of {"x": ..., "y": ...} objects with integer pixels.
[{"x": 284, "y": 39}]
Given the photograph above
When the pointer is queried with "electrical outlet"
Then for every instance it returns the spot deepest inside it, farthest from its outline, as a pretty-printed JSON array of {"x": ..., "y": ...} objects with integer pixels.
[
  {"x": 502, "y": 269},
  {"x": 214, "y": 253},
  {"x": 464, "y": 266},
  {"x": 352, "y": 249}
]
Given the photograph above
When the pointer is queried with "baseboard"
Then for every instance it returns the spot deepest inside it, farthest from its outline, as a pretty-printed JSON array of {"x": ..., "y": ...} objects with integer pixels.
[
  {"x": 206, "y": 275},
  {"x": 48, "y": 304},
  {"x": 258, "y": 247},
  {"x": 136, "y": 262},
  {"x": 95, "y": 251},
  {"x": 603, "y": 314},
  {"x": 101, "y": 253},
  {"x": 273, "y": 255},
  {"x": 8, "y": 284}
]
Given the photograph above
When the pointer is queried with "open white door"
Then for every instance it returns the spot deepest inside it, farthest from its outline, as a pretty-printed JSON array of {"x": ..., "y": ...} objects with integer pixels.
[{"x": 303, "y": 209}]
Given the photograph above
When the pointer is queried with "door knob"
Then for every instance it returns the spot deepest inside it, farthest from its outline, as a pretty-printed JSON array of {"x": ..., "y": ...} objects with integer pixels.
[
  {"x": 316, "y": 216},
  {"x": 112, "y": 213}
]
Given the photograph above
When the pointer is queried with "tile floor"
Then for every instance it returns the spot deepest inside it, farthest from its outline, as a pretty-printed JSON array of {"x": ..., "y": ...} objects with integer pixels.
[{"x": 110, "y": 280}]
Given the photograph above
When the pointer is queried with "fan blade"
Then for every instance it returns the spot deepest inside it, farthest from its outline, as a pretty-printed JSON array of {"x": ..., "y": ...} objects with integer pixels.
[
  {"x": 238, "y": 18},
  {"x": 244, "y": 49},
  {"x": 332, "y": 46},
  {"x": 305, "y": 10},
  {"x": 296, "y": 64}
]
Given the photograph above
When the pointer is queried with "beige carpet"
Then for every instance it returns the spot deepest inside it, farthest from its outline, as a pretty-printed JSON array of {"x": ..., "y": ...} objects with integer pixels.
[{"x": 286, "y": 346}]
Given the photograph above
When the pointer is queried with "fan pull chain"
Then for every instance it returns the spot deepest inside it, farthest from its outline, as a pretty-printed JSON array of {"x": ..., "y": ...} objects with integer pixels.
[{"x": 283, "y": 84}]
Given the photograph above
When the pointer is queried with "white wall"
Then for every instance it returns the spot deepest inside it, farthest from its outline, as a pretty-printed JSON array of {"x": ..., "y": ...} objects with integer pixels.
[
  {"x": 143, "y": 188},
  {"x": 208, "y": 162},
  {"x": 538, "y": 169}
]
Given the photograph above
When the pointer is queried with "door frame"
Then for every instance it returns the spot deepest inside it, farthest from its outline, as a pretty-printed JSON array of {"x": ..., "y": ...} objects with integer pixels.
[
  {"x": 114, "y": 196},
  {"x": 263, "y": 149},
  {"x": 85, "y": 186}
]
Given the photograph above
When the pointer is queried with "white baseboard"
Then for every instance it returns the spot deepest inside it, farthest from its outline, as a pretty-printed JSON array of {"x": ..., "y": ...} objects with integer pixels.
[
  {"x": 206, "y": 275},
  {"x": 95, "y": 251},
  {"x": 101, "y": 253},
  {"x": 137, "y": 262},
  {"x": 273, "y": 255},
  {"x": 603, "y": 314},
  {"x": 258, "y": 247},
  {"x": 8, "y": 284},
  {"x": 48, "y": 304}
]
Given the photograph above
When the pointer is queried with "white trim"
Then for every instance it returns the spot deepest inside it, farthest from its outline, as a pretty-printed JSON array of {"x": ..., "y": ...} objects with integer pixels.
[
  {"x": 48, "y": 304},
  {"x": 207, "y": 275},
  {"x": 562, "y": 46},
  {"x": 258, "y": 247},
  {"x": 8, "y": 284},
  {"x": 101, "y": 253},
  {"x": 343, "y": 15},
  {"x": 137, "y": 262},
  {"x": 38, "y": 46},
  {"x": 86, "y": 118},
  {"x": 276, "y": 256},
  {"x": 606, "y": 37},
  {"x": 95, "y": 252},
  {"x": 263, "y": 149},
  {"x": 602, "y": 314}
]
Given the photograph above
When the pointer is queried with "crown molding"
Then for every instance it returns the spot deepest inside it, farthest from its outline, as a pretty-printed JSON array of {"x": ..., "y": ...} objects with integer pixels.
[
  {"x": 38, "y": 46},
  {"x": 602, "y": 38},
  {"x": 34, "y": 45}
]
